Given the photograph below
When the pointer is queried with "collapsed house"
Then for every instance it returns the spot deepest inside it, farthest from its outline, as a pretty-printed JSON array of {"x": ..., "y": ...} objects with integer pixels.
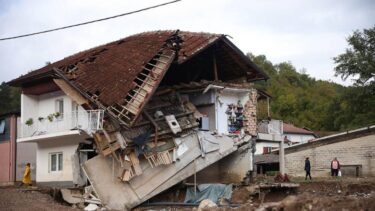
[{"x": 142, "y": 114}]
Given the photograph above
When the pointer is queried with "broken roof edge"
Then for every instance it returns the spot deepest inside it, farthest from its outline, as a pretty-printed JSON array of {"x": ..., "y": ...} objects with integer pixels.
[
  {"x": 18, "y": 82},
  {"x": 246, "y": 59},
  {"x": 223, "y": 37}
]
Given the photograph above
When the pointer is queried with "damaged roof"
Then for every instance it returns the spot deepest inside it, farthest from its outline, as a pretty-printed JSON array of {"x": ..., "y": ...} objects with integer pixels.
[
  {"x": 108, "y": 71},
  {"x": 289, "y": 128}
]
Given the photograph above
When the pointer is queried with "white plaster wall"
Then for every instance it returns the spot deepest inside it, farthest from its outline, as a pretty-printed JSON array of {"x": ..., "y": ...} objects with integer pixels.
[
  {"x": 300, "y": 138},
  {"x": 35, "y": 106},
  {"x": 66, "y": 145},
  {"x": 29, "y": 107},
  {"x": 259, "y": 146},
  {"x": 47, "y": 103},
  {"x": 223, "y": 100}
]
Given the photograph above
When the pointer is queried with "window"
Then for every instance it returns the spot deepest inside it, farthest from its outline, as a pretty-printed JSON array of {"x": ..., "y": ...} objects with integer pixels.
[
  {"x": 56, "y": 162},
  {"x": 59, "y": 108},
  {"x": 2, "y": 126}
]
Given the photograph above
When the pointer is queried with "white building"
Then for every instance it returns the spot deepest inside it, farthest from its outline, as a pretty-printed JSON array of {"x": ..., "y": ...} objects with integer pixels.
[
  {"x": 295, "y": 135},
  {"x": 58, "y": 125}
]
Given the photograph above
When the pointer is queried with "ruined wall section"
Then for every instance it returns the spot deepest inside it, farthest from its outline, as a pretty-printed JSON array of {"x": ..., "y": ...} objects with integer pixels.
[{"x": 250, "y": 113}]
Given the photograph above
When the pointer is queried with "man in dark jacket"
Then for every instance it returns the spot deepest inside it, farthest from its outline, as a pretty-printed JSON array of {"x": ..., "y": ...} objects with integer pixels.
[{"x": 307, "y": 168}]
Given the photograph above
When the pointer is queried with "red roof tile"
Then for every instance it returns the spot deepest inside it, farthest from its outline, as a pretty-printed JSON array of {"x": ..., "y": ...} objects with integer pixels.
[
  {"x": 109, "y": 70},
  {"x": 288, "y": 128}
]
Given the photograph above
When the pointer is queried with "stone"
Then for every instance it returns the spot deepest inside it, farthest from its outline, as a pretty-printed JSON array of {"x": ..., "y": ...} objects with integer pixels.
[
  {"x": 206, "y": 204},
  {"x": 91, "y": 207}
]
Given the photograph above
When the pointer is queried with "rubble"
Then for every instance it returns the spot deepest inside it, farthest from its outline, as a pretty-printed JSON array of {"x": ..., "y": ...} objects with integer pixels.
[{"x": 206, "y": 205}]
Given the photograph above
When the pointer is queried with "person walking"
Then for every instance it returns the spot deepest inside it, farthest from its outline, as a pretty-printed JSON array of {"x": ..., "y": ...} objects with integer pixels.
[
  {"x": 335, "y": 167},
  {"x": 26, "y": 180},
  {"x": 307, "y": 168}
]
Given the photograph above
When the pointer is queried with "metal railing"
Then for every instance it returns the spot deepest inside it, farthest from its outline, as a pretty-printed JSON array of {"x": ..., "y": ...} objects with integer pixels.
[{"x": 88, "y": 121}]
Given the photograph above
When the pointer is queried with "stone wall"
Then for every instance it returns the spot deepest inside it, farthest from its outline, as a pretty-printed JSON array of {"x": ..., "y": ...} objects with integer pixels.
[
  {"x": 359, "y": 151},
  {"x": 250, "y": 113}
]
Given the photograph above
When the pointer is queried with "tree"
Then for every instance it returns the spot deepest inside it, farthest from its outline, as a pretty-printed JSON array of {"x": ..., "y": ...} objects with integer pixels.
[
  {"x": 9, "y": 98},
  {"x": 359, "y": 58}
]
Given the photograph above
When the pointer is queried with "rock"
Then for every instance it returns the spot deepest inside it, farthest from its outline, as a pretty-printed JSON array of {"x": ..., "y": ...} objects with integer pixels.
[
  {"x": 253, "y": 189},
  {"x": 288, "y": 201},
  {"x": 339, "y": 191},
  {"x": 223, "y": 202},
  {"x": 71, "y": 196},
  {"x": 206, "y": 204},
  {"x": 91, "y": 207},
  {"x": 81, "y": 205}
]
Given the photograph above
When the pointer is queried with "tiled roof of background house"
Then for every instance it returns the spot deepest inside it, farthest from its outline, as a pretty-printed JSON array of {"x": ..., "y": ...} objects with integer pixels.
[
  {"x": 289, "y": 128},
  {"x": 108, "y": 70}
]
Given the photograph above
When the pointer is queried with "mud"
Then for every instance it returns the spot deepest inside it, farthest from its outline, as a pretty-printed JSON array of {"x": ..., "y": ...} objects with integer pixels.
[{"x": 28, "y": 198}]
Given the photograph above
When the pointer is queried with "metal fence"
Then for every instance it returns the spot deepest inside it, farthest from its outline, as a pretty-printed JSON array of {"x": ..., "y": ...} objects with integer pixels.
[{"x": 88, "y": 121}]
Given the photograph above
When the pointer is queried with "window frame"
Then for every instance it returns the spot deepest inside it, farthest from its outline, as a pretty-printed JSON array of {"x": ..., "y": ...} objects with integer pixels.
[
  {"x": 59, "y": 108},
  {"x": 59, "y": 158},
  {"x": 3, "y": 126}
]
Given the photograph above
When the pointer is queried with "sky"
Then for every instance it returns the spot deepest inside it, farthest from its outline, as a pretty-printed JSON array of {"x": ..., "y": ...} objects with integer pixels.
[{"x": 307, "y": 33}]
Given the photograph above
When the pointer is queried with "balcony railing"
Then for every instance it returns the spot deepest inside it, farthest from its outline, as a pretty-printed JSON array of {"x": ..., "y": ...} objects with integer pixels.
[{"x": 88, "y": 121}]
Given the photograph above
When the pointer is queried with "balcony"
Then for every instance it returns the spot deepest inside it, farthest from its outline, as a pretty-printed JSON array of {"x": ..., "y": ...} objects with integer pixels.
[
  {"x": 88, "y": 121},
  {"x": 271, "y": 130}
]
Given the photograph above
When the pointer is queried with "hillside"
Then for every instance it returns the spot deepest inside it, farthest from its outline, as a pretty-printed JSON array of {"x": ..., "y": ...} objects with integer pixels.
[{"x": 316, "y": 104}]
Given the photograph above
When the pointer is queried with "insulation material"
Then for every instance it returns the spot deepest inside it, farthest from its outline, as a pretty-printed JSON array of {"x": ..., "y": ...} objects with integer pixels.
[{"x": 173, "y": 124}]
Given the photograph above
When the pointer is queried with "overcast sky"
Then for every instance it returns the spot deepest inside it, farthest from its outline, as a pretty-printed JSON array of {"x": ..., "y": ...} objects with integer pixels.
[{"x": 307, "y": 33}]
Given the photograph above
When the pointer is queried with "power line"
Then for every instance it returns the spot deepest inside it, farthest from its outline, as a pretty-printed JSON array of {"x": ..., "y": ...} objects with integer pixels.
[{"x": 89, "y": 22}]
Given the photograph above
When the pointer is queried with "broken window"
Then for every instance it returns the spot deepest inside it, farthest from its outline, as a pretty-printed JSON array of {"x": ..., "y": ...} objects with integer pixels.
[
  {"x": 56, "y": 161},
  {"x": 235, "y": 117},
  {"x": 2, "y": 126}
]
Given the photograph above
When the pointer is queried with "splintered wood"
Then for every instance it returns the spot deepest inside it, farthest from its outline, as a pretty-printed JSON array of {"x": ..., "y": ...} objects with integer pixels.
[
  {"x": 145, "y": 84},
  {"x": 135, "y": 163},
  {"x": 106, "y": 144},
  {"x": 160, "y": 158}
]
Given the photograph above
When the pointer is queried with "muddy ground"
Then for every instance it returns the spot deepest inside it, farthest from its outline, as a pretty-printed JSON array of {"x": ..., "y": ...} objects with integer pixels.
[
  {"x": 323, "y": 194},
  {"x": 30, "y": 198}
]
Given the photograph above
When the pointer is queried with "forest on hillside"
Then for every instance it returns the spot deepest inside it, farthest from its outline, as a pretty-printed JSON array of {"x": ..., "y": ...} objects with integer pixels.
[
  {"x": 322, "y": 105},
  {"x": 300, "y": 99},
  {"x": 304, "y": 101}
]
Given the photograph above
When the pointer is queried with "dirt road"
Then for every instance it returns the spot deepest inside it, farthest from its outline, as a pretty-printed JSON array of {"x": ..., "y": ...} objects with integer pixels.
[
  {"x": 15, "y": 198},
  {"x": 324, "y": 194}
]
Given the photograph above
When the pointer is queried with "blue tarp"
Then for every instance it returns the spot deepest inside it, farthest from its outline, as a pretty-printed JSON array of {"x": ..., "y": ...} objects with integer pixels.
[{"x": 208, "y": 191}]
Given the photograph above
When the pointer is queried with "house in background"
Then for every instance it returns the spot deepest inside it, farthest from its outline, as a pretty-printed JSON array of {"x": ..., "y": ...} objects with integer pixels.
[
  {"x": 13, "y": 155},
  {"x": 270, "y": 134},
  {"x": 8, "y": 131},
  {"x": 295, "y": 135},
  {"x": 354, "y": 149}
]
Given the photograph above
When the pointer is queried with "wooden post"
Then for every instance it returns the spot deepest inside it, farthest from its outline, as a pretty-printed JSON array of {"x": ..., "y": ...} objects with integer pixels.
[
  {"x": 215, "y": 66},
  {"x": 268, "y": 107},
  {"x": 155, "y": 126}
]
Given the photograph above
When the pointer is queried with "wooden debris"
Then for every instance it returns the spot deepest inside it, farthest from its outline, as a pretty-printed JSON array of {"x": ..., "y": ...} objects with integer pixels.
[{"x": 135, "y": 163}]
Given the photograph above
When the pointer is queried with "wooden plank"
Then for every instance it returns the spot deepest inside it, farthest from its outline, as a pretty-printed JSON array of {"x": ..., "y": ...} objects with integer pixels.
[
  {"x": 135, "y": 162},
  {"x": 71, "y": 92},
  {"x": 112, "y": 148}
]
